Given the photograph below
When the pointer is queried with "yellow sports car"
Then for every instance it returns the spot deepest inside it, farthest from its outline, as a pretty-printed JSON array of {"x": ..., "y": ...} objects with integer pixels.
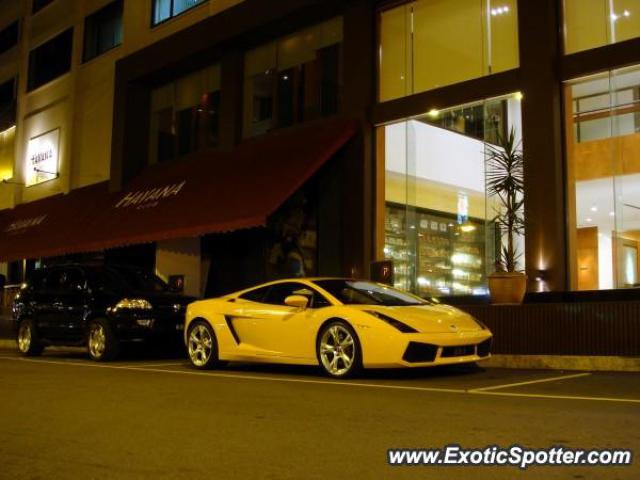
[{"x": 340, "y": 324}]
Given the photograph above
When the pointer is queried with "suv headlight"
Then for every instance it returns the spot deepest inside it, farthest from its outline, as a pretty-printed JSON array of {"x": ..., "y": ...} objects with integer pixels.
[
  {"x": 397, "y": 324},
  {"x": 133, "y": 304}
]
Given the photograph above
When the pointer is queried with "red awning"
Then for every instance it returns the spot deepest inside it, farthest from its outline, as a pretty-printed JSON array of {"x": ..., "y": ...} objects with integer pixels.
[
  {"x": 204, "y": 193},
  {"x": 52, "y": 226}
]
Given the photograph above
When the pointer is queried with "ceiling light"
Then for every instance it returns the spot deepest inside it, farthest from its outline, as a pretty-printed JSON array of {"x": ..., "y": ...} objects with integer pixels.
[
  {"x": 589, "y": 220},
  {"x": 627, "y": 13},
  {"x": 614, "y": 17},
  {"x": 433, "y": 113},
  {"x": 518, "y": 96},
  {"x": 612, "y": 214},
  {"x": 594, "y": 209}
]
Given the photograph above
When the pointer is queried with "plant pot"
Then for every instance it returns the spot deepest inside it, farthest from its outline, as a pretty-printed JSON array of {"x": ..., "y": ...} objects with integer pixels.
[{"x": 507, "y": 287}]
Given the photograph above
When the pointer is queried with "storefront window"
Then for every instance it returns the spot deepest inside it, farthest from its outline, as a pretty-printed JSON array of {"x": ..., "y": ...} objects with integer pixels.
[
  {"x": 293, "y": 79},
  {"x": 594, "y": 23},
  {"x": 438, "y": 220},
  {"x": 603, "y": 167},
  {"x": 426, "y": 44},
  {"x": 185, "y": 115}
]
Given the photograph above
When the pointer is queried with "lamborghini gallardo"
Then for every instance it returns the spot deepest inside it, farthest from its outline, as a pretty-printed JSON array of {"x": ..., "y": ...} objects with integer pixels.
[{"x": 341, "y": 325}]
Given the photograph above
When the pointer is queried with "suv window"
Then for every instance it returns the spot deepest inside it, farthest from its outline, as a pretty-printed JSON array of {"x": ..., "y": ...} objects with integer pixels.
[{"x": 64, "y": 280}]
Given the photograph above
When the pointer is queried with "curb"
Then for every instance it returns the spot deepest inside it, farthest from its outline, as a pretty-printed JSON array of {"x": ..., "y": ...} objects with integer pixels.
[{"x": 565, "y": 362}]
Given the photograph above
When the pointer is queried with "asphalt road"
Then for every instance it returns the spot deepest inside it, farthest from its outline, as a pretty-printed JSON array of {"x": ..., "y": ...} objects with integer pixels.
[{"x": 62, "y": 416}]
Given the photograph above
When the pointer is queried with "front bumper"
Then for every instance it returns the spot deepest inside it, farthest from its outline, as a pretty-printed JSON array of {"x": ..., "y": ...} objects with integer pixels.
[
  {"x": 425, "y": 350},
  {"x": 139, "y": 326}
]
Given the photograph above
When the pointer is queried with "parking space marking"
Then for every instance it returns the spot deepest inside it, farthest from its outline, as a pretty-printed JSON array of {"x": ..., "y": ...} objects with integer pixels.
[
  {"x": 154, "y": 365},
  {"x": 557, "y": 397},
  {"x": 530, "y": 382},
  {"x": 327, "y": 382}
]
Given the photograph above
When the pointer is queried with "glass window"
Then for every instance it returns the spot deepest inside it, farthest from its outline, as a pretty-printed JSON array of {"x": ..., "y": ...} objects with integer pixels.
[
  {"x": 255, "y": 295},
  {"x": 7, "y": 105},
  {"x": 185, "y": 115},
  {"x": 103, "y": 30},
  {"x": 40, "y": 4},
  {"x": 50, "y": 60},
  {"x": 165, "y": 9},
  {"x": 367, "y": 293},
  {"x": 9, "y": 37},
  {"x": 426, "y": 44},
  {"x": 594, "y": 23},
  {"x": 603, "y": 171},
  {"x": 278, "y": 293},
  {"x": 293, "y": 79},
  {"x": 438, "y": 220}
]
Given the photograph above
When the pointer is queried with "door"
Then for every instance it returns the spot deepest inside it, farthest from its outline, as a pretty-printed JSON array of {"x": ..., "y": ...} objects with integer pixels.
[
  {"x": 276, "y": 329},
  {"x": 71, "y": 303},
  {"x": 60, "y": 305}
]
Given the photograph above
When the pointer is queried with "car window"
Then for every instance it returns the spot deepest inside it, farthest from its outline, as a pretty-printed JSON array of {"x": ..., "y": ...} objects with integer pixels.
[
  {"x": 279, "y": 293},
  {"x": 64, "y": 280},
  {"x": 255, "y": 295},
  {"x": 360, "y": 292}
]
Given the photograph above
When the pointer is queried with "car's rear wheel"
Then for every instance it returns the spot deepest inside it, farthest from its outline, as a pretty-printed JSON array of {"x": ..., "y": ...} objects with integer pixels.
[
  {"x": 28, "y": 339},
  {"x": 338, "y": 349},
  {"x": 101, "y": 341},
  {"x": 202, "y": 346}
]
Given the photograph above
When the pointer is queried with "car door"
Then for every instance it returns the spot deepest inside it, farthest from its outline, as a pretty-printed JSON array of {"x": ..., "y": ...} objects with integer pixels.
[
  {"x": 71, "y": 303},
  {"x": 276, "y": 329},
  {"x": 45, "y": 307}
]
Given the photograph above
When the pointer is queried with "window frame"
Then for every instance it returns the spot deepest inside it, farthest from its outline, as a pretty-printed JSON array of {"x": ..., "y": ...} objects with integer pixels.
[
  {"x": 171, "y": 16},
  {"x": 15, "y": 24},
  {"x": 35, "y": 9},
  {"x": 32, "y": 88},
  {"x": 101, "y": 10}
]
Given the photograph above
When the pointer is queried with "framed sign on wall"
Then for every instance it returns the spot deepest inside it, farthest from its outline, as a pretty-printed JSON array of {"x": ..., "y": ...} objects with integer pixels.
[{"x": 41, "y": 163}]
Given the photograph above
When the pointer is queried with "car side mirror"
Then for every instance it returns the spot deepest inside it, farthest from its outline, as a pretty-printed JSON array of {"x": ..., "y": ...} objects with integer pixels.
[{"x": 298, "y": 301}]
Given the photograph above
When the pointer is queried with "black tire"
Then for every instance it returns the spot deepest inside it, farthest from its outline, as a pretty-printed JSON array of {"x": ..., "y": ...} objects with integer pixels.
[
  {"x": 28, "y": 340},
  {"x": 353, "y": 350},
  {"x": 202, "y": 346},
  {"x": 105, "y": 349}
]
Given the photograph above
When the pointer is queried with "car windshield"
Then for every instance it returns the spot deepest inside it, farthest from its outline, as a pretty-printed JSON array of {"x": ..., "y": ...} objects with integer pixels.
[
  {"x": 357, "y": 292},
  {"x": 137, "y": 280}
]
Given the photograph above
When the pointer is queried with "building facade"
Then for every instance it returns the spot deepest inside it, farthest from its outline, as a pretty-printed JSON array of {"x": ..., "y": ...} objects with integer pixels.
[{"x": 108, "y": 95}]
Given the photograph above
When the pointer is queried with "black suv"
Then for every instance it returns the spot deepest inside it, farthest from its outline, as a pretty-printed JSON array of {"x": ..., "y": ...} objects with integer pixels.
[{"x": 96, "y": 306}]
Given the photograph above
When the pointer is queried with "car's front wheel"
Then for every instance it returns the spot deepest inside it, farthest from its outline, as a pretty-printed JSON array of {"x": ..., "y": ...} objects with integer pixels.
[
  {"x": 338, "y": 349},
  {"x": 28, "y": 340},
  {"x": 202, "y": 346},
  {"x": 101, "y": 341}
]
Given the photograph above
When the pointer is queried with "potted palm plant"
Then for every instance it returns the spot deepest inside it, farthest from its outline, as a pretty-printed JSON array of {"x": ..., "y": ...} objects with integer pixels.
[{"x": 505, "y": 185}]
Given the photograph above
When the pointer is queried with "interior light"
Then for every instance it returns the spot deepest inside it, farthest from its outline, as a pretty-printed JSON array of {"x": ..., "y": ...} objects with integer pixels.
[
  {"x": 468, "y": 228},
  {"x": 589, "y": 220},
  {"x": 594, "y": 208},
  {"x": 518, "y": 96},
  {"x": 433, "y": 113},
  {"x": 612, "y": 214},
  {"x": 627, "y": 13},
  {"x": 614, "y": 17}
]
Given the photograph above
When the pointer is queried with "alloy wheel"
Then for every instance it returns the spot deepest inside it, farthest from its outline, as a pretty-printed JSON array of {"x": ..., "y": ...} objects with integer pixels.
[
  {"x": 97, "y": 341},
  {"x": 24, "y": 338},
  {"x": 337, "y": 350},
  {"x": 200, "y": 345}
]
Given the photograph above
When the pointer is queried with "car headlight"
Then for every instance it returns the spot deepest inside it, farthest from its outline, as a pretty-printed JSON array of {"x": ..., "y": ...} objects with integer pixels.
[
  {"x": 133, "y": 304},
  {"x": 397, "y": 324}
]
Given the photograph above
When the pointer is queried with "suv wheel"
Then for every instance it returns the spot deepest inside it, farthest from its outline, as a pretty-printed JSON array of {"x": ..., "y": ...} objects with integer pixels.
[
  {"x": 28, "y": 340},
  {"x": 101, "y": 341},
  {"x": 338, "y": 350}
]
